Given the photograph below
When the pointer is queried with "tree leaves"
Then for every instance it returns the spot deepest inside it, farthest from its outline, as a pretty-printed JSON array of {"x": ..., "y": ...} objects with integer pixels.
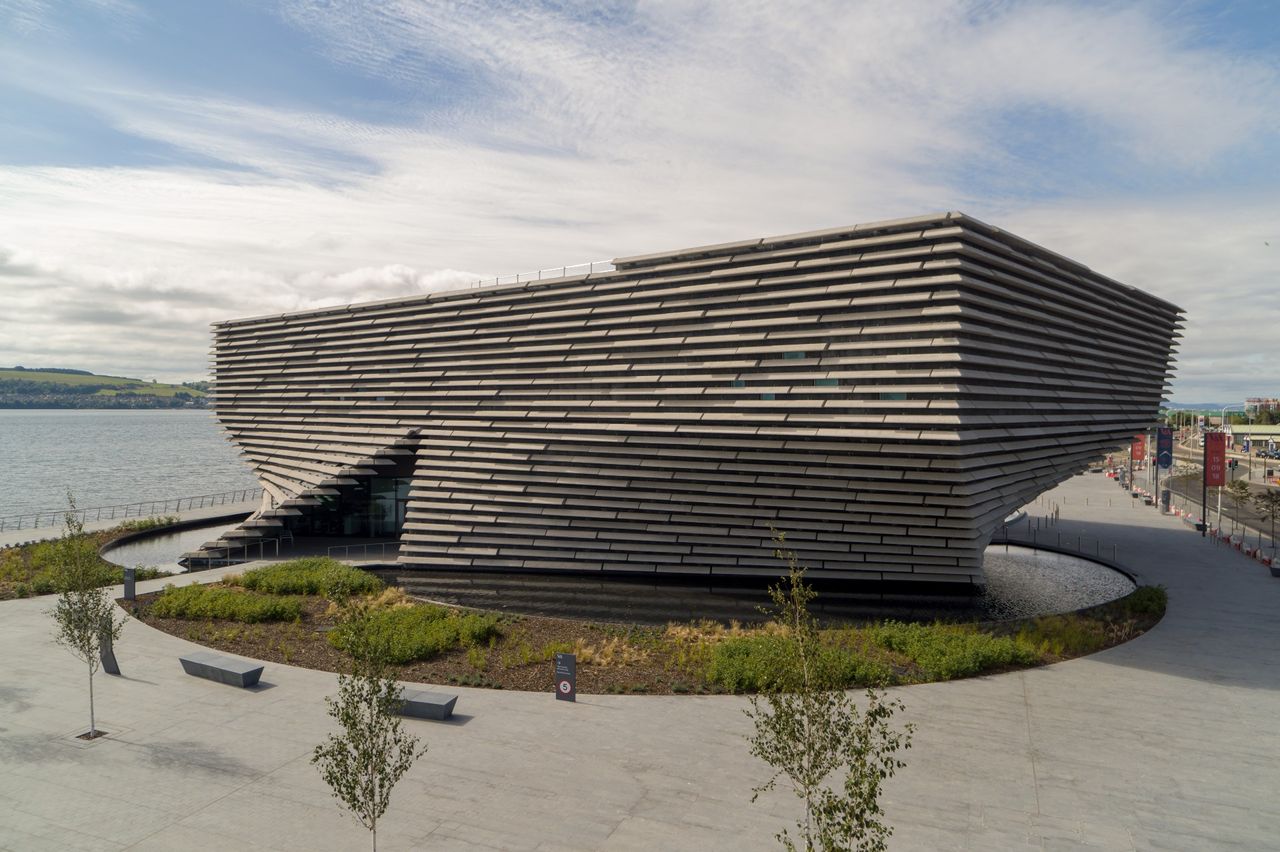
[
  {"x": 84, "y": 613},
  {"x": 809, "y": 729},
  {"x": 364, "y": 761}
]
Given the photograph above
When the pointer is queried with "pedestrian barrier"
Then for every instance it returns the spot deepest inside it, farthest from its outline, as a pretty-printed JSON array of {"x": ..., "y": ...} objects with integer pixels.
[{"x": 121, "y": 511}]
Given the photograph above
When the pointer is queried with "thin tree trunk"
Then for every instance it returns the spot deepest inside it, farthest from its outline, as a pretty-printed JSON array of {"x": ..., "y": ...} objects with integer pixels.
[{"x": 93, "y": 729}]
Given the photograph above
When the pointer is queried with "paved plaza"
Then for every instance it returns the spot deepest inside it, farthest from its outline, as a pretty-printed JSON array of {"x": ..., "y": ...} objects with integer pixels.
[{"x": 1167, "y": 742}]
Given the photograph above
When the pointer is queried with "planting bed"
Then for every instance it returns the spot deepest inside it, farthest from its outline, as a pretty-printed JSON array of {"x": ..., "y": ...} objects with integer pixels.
[{"x": 447, "y": 645}]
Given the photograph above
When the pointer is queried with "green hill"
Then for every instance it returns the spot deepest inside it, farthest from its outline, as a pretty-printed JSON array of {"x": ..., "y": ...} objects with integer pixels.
[{"x": 58, "y": 388}]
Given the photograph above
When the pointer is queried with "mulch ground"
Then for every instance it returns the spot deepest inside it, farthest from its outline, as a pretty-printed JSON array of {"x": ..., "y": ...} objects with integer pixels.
[
  {"x": 503, "y": 666},
  {"x": 522, "y": 657}
]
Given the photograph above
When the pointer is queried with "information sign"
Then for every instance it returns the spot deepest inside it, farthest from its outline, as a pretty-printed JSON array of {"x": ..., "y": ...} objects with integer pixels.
[
  {"x": 1215, "y": 459},
  {"x": 566, "y": 677}
]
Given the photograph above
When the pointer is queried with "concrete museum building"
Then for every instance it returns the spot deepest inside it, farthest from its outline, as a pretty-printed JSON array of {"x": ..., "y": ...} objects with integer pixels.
[{"x": 886, "y": 394}]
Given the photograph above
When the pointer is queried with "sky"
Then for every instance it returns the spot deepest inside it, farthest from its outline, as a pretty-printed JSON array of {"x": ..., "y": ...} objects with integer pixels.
[{"x": 165, "y": 165}]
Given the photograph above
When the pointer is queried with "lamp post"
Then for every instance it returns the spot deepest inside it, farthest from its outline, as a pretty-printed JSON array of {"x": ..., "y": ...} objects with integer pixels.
[{"x": 1244, "y": 408}]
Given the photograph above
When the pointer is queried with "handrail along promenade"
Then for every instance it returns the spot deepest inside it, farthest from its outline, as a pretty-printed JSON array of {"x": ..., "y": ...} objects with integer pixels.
[{"x": 139, "y": 509}]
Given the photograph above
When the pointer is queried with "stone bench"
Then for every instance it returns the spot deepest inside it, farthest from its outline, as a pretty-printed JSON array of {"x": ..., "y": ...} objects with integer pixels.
[
  {"x": 422, "y": 704},
  {"x": 227, "y": 670}
]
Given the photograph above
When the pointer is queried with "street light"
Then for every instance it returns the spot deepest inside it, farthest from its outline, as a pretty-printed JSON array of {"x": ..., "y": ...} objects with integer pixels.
[{"x": 1245, "y": 408}]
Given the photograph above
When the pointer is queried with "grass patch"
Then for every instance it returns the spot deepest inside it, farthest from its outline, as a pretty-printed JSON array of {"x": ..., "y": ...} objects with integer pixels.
[
  {"x": 1079, "y": 633},
  {"x": 142, "y": 524},
  {"x": 947, "y": 651},
  {"x": 1142, "y": 601},
  {"x": 416, "y": 633},
  {"x": 309, "y": 576},
  {"x": 31, "y": 569},
  {"x": 765, "y": 662},
  {"x": 1063, "y": 635},
  {"x": 225, "y": 604}
]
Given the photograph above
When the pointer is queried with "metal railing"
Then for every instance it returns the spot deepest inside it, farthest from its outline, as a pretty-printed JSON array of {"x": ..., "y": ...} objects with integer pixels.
[
  {"x": 364, "y": 549},
  {"x": 121, "y": 511},
  {"x": 553, "y": 272},
  {"x": 1039, "y": 527},
  {"x": 1039, "y": 533},
  {"x": 231, "y": 554}
]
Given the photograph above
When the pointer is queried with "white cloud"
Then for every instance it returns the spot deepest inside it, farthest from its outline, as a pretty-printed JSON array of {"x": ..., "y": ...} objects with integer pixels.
[{"x": 646, "y": 127}]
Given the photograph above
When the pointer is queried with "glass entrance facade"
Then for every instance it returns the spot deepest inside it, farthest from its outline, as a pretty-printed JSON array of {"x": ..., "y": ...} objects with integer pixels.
[{"x": 373, "y": 507}]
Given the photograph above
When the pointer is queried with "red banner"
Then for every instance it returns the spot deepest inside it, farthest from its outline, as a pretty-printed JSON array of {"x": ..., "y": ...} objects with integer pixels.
[
  {"x": 1215, "y": 459},
  {"x": 1138, "y": 450}
]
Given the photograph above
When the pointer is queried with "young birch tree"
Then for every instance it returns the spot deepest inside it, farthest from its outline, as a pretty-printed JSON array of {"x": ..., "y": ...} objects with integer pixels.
[
  {"x": 808, "y": 728},
  {"x": 1268, "y": 505},
  {"x": 364, "y": 761},
  {"x": 84, "y": 613},
  {"x": 1238, "y": 494}
]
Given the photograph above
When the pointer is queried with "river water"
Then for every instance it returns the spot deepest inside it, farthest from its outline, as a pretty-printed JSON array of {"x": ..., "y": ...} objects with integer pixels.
[{"x": 108, "y": 457}]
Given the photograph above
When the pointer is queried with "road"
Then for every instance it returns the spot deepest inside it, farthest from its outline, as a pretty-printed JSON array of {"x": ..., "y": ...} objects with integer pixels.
[{"x": 1185, "y": 489}]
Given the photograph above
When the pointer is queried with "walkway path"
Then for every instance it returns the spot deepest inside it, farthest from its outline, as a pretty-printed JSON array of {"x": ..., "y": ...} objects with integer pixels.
[{"x": 1167, "y": 742}]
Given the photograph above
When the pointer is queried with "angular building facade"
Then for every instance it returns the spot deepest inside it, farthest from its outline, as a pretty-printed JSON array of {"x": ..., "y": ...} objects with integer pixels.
[{"x": 885, "y": 394}]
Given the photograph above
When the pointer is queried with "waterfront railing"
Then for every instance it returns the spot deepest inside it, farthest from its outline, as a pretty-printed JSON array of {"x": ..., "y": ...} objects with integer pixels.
[{"x": 122, "y": 511}]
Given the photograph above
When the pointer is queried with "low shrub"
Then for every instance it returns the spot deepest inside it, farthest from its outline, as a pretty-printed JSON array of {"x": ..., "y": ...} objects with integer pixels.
[
  {"x": 140, "y": 524},
  {"x": 478, "y": 680},
  {"x": 310, "y": 576},
  {"x": 549, "y": 650},
  {"x": 45, "y": 581},
  {"x": 223, "y": 603},
  {"x": 1064, "y": 635},
  {"x": 947, "y": 651},
  {"x": 32, "y": 569},
  {"x": 477, "y": 629},
  {"x": 766, "y": 662},
  {"x": 1145, "y": 600},
  {"x": 409, "y": 634}
]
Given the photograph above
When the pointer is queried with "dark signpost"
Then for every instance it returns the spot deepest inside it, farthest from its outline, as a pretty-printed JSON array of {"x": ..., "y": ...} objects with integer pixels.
[
  {"x": 566, "y": 677},
  {"x": 130, "y": 575},
  {"x": 1164, "y": 457},
  {"x": 1164, "y": 447}
]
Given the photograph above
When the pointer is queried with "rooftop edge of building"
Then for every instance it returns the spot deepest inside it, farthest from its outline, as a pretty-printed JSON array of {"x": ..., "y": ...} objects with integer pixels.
[{"x": 628, "y": 266}]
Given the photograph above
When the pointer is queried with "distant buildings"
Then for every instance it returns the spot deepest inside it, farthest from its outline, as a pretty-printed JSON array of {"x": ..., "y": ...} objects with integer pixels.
[
  {"x": 886, "y": 394},
  {"x": 1255, "y": 404}
]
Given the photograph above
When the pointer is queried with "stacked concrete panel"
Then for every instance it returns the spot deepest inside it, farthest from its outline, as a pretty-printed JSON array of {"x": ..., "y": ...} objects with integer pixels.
[{"x": 885, "y": 394}]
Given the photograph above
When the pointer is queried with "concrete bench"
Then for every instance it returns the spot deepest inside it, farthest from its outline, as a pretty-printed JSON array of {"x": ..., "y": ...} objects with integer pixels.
[
  {"x": 428, "y": 705},
  {"x": 227, "y": 670}
]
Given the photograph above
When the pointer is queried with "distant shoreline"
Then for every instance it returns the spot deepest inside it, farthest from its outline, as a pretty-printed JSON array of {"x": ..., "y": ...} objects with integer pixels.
[{"x": 60, "y": 388}]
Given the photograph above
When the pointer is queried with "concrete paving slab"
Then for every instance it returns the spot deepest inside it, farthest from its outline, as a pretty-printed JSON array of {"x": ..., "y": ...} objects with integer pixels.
[{"x": 1163, "y": 743}]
